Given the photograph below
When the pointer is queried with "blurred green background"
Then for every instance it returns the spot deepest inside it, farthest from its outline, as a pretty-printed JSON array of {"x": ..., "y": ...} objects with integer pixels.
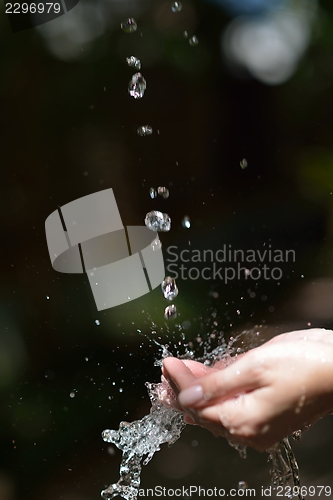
[{"x": 257, "y": 86}]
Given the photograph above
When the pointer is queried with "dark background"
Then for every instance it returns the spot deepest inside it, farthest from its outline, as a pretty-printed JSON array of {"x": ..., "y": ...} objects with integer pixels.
[{"x": 68, "y": 129}]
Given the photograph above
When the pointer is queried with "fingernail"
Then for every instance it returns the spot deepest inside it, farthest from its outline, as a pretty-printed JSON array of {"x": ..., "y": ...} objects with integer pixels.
[{"x": 191, "y": 396}]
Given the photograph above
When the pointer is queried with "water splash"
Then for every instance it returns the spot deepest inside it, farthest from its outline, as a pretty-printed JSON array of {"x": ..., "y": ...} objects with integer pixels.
[{"x": 139, "y": 441}]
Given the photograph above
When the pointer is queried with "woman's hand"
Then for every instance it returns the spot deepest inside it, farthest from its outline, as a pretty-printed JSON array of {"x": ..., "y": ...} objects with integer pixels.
[{"x": 263, "y": 396}]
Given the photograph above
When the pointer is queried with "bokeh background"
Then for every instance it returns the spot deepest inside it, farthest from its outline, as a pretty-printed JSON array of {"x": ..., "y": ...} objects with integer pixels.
[{"x": 258, "y": 86}]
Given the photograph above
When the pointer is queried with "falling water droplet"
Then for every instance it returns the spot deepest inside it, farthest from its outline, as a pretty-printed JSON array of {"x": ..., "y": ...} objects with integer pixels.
[
  {"x": 129, "y": 26},
  {"x": 133, "y": 62},
  {"x": 156, "y": 244},
  {"x": 243, "y": 163},
  {"x": 47, "y": 297},
  {"x": 157, "y": 221},
  {"x": 186, "y": 222},
  {"x": 72, "y": 394},
  {"x": 97, "y": 322},
  {"x": 185, "y": 34},
  {"x": 169, "y": 288},
  {"x": 137, "y": 86},
  {"x": 176, "y": 7},
  {"x": 193, "y": 41},
  {"x": 170, "y": 312},
  {"x": 144, "y": 130},
  {"x": 152, "y": 193},
  {"x": 163, "y": 191}
]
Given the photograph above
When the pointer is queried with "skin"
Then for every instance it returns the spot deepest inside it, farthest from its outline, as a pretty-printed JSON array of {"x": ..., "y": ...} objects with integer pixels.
[{"x": 267, "y": 393}]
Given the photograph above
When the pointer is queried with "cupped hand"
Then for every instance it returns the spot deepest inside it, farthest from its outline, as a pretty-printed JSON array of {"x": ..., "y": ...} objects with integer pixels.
[{"x": 263, "y": 396}]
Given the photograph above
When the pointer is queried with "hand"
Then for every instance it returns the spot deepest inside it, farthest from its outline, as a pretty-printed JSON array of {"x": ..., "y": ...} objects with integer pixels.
[{"x": 263, "y": 396}]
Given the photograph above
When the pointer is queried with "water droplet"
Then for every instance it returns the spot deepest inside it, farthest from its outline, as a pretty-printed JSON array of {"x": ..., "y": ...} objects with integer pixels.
[
  {"x": 176, "y": 7},
  {"x": 152, "y": 193},
  {"x": 156, "y": 244},
  {"x": 186, "y": 325},
  {"x": 243, "y": 163},
  {"x": 157, "y": 221},
  {"x": 185, "y": 34},
  {"x": 133, "y": 62},
  {"x": 242, "y": 485},
  {"x": 170, "y": 312},
  {"x": 297, "y": 435},
  {"x": 163, "y": 191},
  {"x": 137, "y": 86},
  {"x": 97, "y": 322},
  {"x": 47, "y": 297},
  {"x": 72, "y": 394},
  {"x": 145, "y": 130},
  {"x": 169, "y": 288},
  {"x": 129, "y": 26},
  {"x": 193, "y": 41},
  {"x": 121, "y": 389},
  {"x": 186, "y": 222}
]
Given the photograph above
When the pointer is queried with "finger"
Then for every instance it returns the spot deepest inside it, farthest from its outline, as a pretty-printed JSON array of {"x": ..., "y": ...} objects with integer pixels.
[
  {"x": 198, "y": 369},
  {"x": 167, "y": 396},
  {"x": 248, "y": 420},
  {"x": 238, "y": 378},
  {"x": 177, "y": 373}
]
